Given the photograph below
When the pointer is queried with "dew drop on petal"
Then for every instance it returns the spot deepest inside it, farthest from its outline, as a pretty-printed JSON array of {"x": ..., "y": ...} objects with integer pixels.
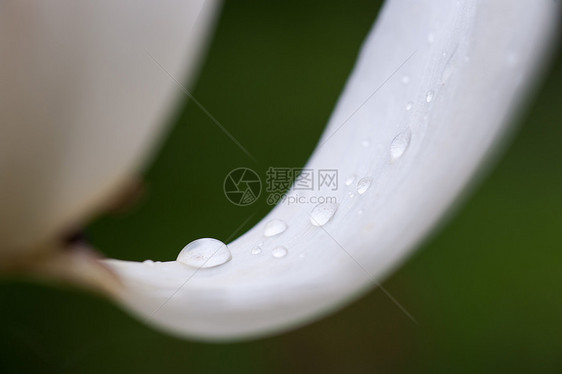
[
  {"x": 429, "y": 96},
  {"x": 363, "y": 185},
  {"x": 322, "y": 213},
  {"x": 365, "y": 143},
  {"x": 148, "y": 262},
  {"x": 360, "y": 211},
  {"x": 399, "y": 144},
  {"x": 279, "y": 252},
  {"x": 204, "y": 253},
  {"x": 409, "y": 105},
  {"x": 274, "y": 227},
  {"x": 256, "y": 250},
  {"x": 405, "y": 79},
  {"x": 349, "y": 180}
]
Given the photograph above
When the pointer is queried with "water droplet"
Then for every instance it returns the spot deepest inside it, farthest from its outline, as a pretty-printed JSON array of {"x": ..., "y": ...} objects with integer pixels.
[
  {"x": 365, "y": 143},
  {"x": 429, "y": 96},
  {"x": 204, "y": 253},
  {"x": 399, "y": 144},
  {"x": 351, "y": 195},
  {"x": 431, "y": 37},
  {"x": 279, "y": 252},
  {"x": 148, "y": 262},
  {"x": 409, "y": 105},
  {"x": 444, "y": 54},
  {"x": 322, "y": 213},
  {"x": 350, "y": 180},
  {"x": 363, "y": 185},
  {"x": 274, "y": 227},
  {"x": 256, "y": 251},
  {"x": 405, "y": 79},
  {"x": 360, "y": 211}
]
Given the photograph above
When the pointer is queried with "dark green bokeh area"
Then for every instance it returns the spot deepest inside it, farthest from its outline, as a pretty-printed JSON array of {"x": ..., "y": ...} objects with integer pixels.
[{"x": 485, "y": 289}]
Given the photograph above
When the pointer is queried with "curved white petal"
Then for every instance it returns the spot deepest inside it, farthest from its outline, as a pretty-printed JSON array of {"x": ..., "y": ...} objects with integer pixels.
[
  {"x": 464, "y": 66},
  {"x": 81, "y": 101}
]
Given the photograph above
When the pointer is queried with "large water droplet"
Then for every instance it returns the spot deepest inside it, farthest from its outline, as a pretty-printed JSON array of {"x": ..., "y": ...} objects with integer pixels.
[
  {"x": 279, "y": 252},
  {"x": 350, "y": 180},
  {"x": 274, "y": 227},
  {"x": 322, "y": 213},
  {"x": 399, "y": 144},
  {"x": 204, "y": 253},
  {"x": 429, "y": 96},
  {"x": 363, "y": 185}
]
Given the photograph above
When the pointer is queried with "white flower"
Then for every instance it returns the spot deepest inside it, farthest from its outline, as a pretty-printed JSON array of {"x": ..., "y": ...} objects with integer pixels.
[{"x": 434, "y": 88}]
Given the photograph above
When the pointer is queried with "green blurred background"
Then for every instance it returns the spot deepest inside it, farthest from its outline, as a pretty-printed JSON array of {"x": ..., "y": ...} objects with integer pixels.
[{"x": 485, "y": 289}]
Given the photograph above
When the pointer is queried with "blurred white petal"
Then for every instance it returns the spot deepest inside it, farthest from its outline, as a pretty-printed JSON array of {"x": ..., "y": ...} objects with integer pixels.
[{"x": 81, "y": 103}]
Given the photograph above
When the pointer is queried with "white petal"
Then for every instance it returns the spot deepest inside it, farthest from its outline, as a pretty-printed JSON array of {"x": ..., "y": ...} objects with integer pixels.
[
  {"x": 81, "y": 101},
  {"x": 468, "y": 65}
]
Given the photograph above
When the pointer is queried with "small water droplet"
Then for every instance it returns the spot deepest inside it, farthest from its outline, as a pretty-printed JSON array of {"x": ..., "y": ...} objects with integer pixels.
[
  {"x": 274, "y": 227},
  {"x": 429, "y": 96},
  {"x": 409, "y": 105},
  {"x": 399, "y": 144},
  {"x": 148, "y": 262},
  {"x": 279, "y": 252},
  {"x": 350, "y": 180},
  {"x": 360, "y": 211},
  {"x": 256, "y": 251},
  {"x": 365, "y": 143},
  {"x": 431, "y": 37},
  {"x": 405, "y": 79},
  {"x": 351, "y": 195},
  {"x": 204, "y": 253},
  {"x": 363, "y": 185},
  {"x": 322, "y": 213}
]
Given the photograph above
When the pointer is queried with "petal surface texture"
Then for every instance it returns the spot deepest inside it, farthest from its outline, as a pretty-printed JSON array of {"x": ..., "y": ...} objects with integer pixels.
[{"x": 434, "y": 88}]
